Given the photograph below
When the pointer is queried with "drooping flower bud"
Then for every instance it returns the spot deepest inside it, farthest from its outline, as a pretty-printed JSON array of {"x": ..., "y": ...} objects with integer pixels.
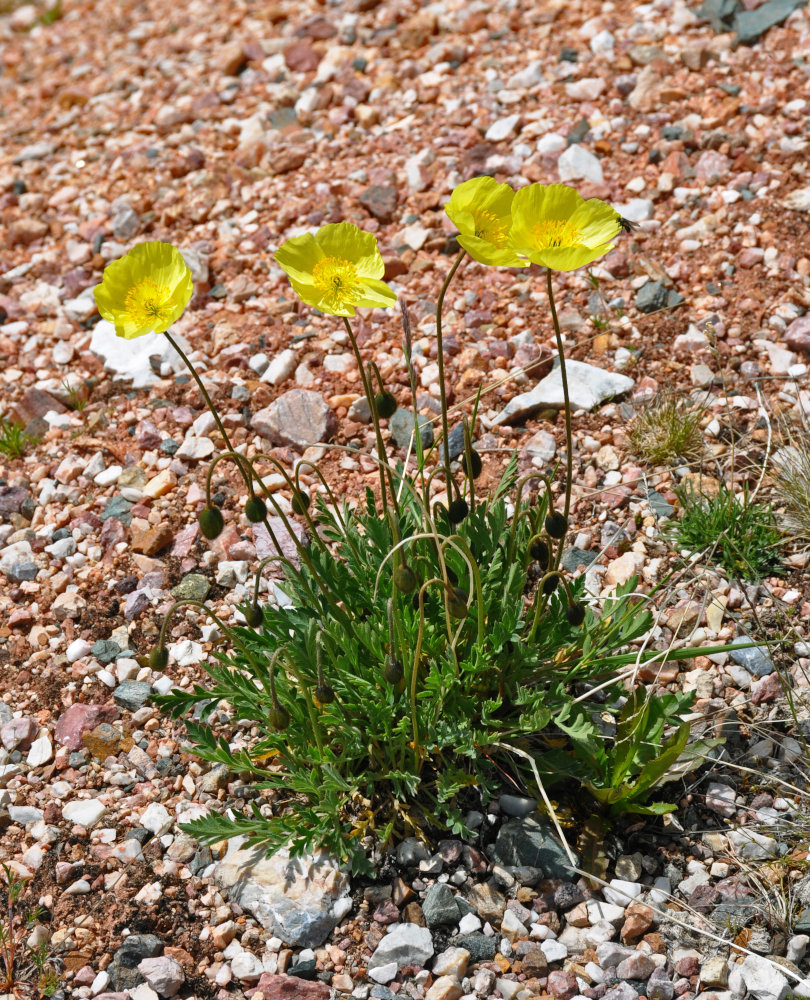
[
  {"x": 255, "y": 510},
  {"x": 551, "y": 582},
  {"x": 556, "y": 524},
  {"x": 457, "y": 511},
  {"x": 575, "y": 614},
  {"x": 325, "y": 694},
  {"x": 476, "y": 465},
  {"x": 386, "y": 404},
  {"x": 211, "y": 522},
  {"x": 405, "y": 578},
  {"x": 538, "y": 550},
  {"x": 457, "y": 603},
  {"x": 159, "y": 658},
  {"x": 393, "y": 671},
  {"x": 254, "y": 615},
  {"x": 279, "y": 718},
  {"x": 299, "y": 502}
]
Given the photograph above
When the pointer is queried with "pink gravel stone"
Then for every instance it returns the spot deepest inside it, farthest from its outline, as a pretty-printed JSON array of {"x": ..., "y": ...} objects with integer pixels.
[{"x": 80, "y": 719}]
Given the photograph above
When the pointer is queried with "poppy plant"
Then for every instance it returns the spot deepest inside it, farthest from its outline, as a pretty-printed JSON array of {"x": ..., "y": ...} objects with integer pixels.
[
  {"x": 145, "y": 291},
  {"x": 336, "y": 270},
  {"x": 556, "y": 227}
]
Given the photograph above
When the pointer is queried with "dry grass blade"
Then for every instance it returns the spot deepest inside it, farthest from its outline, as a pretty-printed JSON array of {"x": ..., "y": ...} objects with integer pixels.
[
  {"x": 668, "y": 432},
  {"x": 792, "y": 464}
]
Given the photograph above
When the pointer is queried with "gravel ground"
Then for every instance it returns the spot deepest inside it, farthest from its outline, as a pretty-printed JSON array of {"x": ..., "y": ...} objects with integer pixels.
[{"x": 226, "y": 128}]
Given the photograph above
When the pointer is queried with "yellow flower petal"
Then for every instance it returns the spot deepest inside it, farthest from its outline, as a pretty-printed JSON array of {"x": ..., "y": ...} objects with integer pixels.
[
  {"x": 146, "y": 290},
  {"x": 555, "y": 226},
  {"x": 481, "y": 210},
  {"x": 336, "y": 270}
]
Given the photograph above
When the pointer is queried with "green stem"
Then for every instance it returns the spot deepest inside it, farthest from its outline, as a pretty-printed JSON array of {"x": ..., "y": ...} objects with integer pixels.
[
  {"x": 369, "y": 392},
  {"x": 208, "y": 402},
  {"x": 440, "y": 361},
  {"x": 569, "y": 457}
]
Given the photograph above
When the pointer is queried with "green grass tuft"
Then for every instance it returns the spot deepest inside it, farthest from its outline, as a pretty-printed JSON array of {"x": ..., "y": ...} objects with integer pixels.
[{"x": 668, "y": 432}]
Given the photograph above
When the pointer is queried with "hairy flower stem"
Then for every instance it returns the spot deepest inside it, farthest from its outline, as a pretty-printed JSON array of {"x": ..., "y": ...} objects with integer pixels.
[
  {"x": 210, "y": 404},
  {"x": 440, "y": 362},
  {"x": 369, "y": 392},
  {"x": 569, "y": 449}
]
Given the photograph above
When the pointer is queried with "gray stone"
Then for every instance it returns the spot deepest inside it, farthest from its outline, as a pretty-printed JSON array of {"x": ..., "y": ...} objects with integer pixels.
[
  {"x": 763, "y": 980},
  {"x": 123, "y": 970},
  {"x": 587, "y": 386},
  {"x": 360, "y": 410},
  {"x": 517, "y": 805},
  {"x": 298, "y": 417},
  {"x": 750, "y": 25},
  {"x": 411, "y": 851},
  {"x": 651, "y": 297},
  {"x": 380, "y": 200},
  {"x": 193, "y": 587},
  {"x": 660, "y": 986},
  {"x": 125, "y": 222},
  {"x": 659, "y": 506},
  {"x": 529, "y": 842},
  {"x": 755, "y": 659},
  {"x": 119, "y": 509},
  {"x": 165, "y": 975},
  {"x": 197, "y": 262},
  {"x": 299, "y": 899},
  {"x": 405, "y": 944},
  {"x": 440, "y": 906},
  {"x": 105, "y": 650},
  {"x": 401, "y": 427},
  {"x": 132, "y": 695},
  {"x": 480, "y": 947}
]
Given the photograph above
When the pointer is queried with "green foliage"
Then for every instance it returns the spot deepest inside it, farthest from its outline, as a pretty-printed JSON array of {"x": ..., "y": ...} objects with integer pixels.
[
  {"x": 24, "y": 971},
  {"x": 13, "y": 439},
  {"x": 668, "y": 432},
  {"x": 395, "y": 759},
  {"x": 740, "y": 535}
]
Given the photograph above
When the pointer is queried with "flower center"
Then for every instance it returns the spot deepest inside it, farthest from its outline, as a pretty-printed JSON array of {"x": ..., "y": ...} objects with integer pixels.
[
  {"x": 489, "y": 227},
  {"x": 550, "y": 233},
  {"x": 148, "y": 302},
  {"x": 337, "y": 278}
]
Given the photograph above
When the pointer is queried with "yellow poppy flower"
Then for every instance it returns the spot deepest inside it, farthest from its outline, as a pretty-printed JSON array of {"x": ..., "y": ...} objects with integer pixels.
[
  {"x": 336, "y": 270},
  {"x": 146, "y": 290},
  {"x": 556, "y": 227},
  {"x": 481, "y": 209}
]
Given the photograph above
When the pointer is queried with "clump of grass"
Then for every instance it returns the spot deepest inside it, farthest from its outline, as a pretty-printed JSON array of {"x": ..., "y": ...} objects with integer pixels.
[
  {"x": 13, "y": 438},
  {"x": 76, "y": 397},
  {"x": 793, "y": 481},
  {"x": 739, "y": 535},
  {"x": 668, "y": 432}
]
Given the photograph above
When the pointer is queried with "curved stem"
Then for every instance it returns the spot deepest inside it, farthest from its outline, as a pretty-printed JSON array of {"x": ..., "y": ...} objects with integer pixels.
[
  {"x": 440, "y": 361},
  {"x": 569, "y": 457},
  {"x": 208, "y": 401}
]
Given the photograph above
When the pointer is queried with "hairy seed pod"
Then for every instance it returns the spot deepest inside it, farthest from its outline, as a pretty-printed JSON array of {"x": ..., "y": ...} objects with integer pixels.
[
  {"x": 254, "y": 615},
  {"x": 452, "y": 576},
  {"x": 299, "y": 502},
  {"x": 539, "y": 551},
  {"x": 457, "y": 511},
  {"x": 405, "y": 578},
  {"x": 457, "y": 603},
  {"x": 393, "y": 671},
  {"x": 255, "y": 510},
  {"x": 476, "y": 465},
  {"x": 551, "y": 583},
  {"x": 556, "y": 524},
  {"x": 325, "y": 694},
  {"x": 279, "y": 718},
  {"x": 575, "y": 613},
  {"x": 386, "y": 404},
  {"x": 211, "y": 522},
  {"x": 159, "y": 658}
]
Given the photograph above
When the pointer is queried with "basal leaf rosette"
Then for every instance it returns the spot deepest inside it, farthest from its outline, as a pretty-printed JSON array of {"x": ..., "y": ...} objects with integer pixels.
[
  {"x": 481, "y": 210},
  {"x": 146, "y": 290},
  {"x": 556, "y": 227},
  {"x": 336, "y": 270}
]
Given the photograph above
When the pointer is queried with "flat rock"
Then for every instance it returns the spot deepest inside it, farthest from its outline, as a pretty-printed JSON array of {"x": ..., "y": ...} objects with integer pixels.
[
  {"x": 529, "y": 842},
  {"x": 755, "y": 659},
  {"x": 130, "y": 359},
  {"x": 380, "y": 200},
  {"x": 275, "y": 987},
  {"x": 405, "y": 944},
  {"x": 588, "y": 386},
  {"x": 79, "y": 719},
  {"x": 295, "y": 898},
  {"x": 299, "y": 417}
]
